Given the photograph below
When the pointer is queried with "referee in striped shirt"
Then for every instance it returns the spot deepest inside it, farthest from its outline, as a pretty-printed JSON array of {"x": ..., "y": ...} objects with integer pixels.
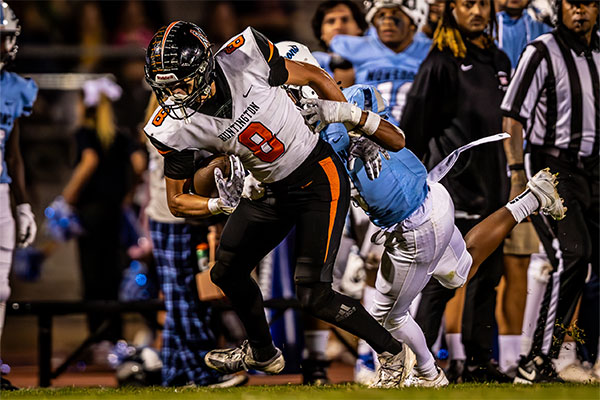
[{"x": 554, "y": 99}]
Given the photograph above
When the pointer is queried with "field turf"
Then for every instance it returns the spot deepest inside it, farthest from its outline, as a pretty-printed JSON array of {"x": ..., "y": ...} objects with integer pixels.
[{"x": 335, "y": 392}]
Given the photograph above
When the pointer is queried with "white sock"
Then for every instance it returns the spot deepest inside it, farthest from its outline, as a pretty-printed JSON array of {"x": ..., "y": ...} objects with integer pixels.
[
  {"x": 509, "y": 351},
  {"x": 566, "y": 356},
  {"x": 523, "y": 205},
  {"x": 538, "y": 275},
  {"x": 411, "y": 334},
  {"x": 315, "y": 343},
  {"x": 456, "y": 349}
]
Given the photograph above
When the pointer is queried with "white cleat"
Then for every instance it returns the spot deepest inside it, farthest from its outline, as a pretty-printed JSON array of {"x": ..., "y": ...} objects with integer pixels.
[
  {"x": 415, "y": 380},
  {"x": 543, "y": 186},
  {"x": 394, "y": 369},
  {"x": 230, "y": 361},
  {"x": 575, "y": 372}
]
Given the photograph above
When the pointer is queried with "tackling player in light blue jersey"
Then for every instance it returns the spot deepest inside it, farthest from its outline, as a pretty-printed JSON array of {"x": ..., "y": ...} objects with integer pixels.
[
  {"x": 417, "y": 216},
  {"x": 401, "y": 186},
  {"x": 390, "y": 54},
  {"x": 16, "y": 99}
]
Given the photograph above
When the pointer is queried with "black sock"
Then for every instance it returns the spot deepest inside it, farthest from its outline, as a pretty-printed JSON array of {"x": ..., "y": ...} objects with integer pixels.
[{"x": 264, "y": 353}]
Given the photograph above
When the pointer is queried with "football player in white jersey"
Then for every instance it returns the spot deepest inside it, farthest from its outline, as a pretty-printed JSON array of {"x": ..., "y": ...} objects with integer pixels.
[{"x": 232, "y": 103}]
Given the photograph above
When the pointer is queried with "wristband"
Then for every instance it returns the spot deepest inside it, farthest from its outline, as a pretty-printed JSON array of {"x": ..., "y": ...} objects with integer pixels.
[
  {"x": 517, "y": 167},
  {"x": 371, "y": 124},
  {"x": 355, "y": 114},
  {"x": 214, "y": 207}
]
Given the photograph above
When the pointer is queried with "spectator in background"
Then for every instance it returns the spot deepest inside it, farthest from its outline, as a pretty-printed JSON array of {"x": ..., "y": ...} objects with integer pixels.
[
  {"x": 221, "y": 21},
  {"x": 106, "y": 161},
  {"x": 390, "y": 59},
  {"x": 516, "y": 28},
  {"x": 464, "y": 64},
  {"x": 337, "y": 17},
  {"x": 436, "y": 10},
  {"x": 133, "y": 29},
  {"x": 187, "y": 335},
  {"x": 92, "y": 35}
]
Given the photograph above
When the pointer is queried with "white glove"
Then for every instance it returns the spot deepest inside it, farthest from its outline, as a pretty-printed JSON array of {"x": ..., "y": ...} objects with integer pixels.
[
  {"x": 253, "y": 188},
  {"x": 369, "y": 152},
  {"x": 355, "y": 276},
  {"x": 328, "y": 112},
  {"x": 230, "y": 189},
  {"x": 27, "y": 226}
]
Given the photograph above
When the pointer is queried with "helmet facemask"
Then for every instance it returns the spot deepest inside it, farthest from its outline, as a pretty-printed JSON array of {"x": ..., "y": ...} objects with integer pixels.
[
  {"x": 180, "y": 98},
  {"x": 9, "y": 30}
]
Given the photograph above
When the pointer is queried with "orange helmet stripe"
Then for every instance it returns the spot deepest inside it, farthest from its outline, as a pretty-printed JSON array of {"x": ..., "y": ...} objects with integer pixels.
[{"x": 164, "y": 39}]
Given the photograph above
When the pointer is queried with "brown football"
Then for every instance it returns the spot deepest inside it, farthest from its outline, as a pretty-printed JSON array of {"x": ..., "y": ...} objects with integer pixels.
[{"x": 204, "y": 178}]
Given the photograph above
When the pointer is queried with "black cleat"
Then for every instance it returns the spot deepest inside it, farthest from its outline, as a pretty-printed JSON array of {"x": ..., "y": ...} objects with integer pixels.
[
  {"x": 6, "y": 385},
  {"x": 486, "y": 372},
  {"x": 536, "y": 370},
  {"x": 314, "y": 372},
  {"x": 455, "y": 371}
]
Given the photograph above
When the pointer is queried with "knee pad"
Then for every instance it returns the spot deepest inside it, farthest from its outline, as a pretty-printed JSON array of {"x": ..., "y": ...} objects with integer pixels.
[
  {"x": 453, "y": 278},
  {"x": 539, "y": 268},
  {"x": 391, "y": 324},
  {"x": 315, "y": 297},
  {"x": 221, "y": 273}
]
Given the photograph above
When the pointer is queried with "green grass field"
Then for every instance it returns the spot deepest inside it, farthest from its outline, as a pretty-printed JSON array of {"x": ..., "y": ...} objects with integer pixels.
[{"x": 337, "y": 392}]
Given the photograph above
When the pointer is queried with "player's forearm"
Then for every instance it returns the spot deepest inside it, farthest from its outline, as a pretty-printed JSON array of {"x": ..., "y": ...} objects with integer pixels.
[
  {"x": 513, "y": 147},
  {"x": 387, "y": 135},
  {"x": 302, "y": 74},
  {"x": 189, "y": 205}
]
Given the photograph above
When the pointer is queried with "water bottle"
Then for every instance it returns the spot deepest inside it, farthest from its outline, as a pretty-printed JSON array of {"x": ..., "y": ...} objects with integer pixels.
[{"x": 202, "y": 256}]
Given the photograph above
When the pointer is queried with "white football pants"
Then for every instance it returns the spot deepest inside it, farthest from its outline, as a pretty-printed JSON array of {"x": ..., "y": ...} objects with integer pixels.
[{"x": 426, "y": 243}]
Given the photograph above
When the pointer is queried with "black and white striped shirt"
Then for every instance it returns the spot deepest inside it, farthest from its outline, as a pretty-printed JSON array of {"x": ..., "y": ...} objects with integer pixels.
[{"x": 555, "y": 93}]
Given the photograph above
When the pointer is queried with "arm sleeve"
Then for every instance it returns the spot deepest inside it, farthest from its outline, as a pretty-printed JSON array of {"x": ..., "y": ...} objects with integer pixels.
[
  {"x": 430, "y": 103},
  {"x": 527, "y": 82},
  {"x": 178, "y": 164},
  {"x": 279, "y": 74}
]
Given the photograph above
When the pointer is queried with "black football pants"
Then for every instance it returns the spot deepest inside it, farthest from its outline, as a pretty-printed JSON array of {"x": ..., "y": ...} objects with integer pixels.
[
  {"x": 571, "y": 244},
  {"x": 315, "y": 199}
]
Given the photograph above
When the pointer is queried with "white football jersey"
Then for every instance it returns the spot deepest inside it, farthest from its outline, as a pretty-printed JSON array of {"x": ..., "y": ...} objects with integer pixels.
[{"x": 266, "y": 129}]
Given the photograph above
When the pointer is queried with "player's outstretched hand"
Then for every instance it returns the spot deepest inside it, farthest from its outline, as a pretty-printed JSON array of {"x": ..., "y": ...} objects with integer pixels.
[
  {"x": 27, "y": 226},
  {"x": 327, "y": 112},
  {"x": 230, "y": 189},
  {"x": 370, "y": 154}
]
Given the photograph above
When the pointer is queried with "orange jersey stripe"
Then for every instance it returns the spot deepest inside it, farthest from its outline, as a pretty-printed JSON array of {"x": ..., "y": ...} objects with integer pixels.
[
  {"x": 162, "y": 49},
  {"x": 163, "y": 152},
  {"x": 334, "y": 184}
]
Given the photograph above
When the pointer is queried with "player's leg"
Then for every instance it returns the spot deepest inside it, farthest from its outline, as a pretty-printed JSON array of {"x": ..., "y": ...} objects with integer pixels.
[
  {"x": 7, "y": 243},
  {"x": 320, "y": 211},
  {"x": 254, "y": 229},
  {"x": 412, "y": 252}
]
